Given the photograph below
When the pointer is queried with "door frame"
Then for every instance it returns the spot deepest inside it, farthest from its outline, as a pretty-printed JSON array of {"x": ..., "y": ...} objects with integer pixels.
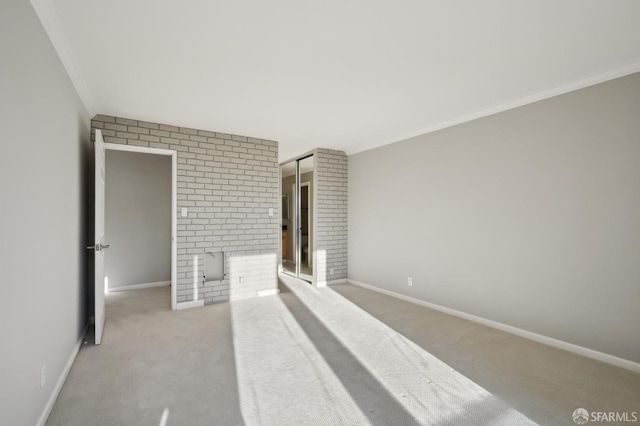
[
  {"x": 296, "y": 194},
  {"x": 174, "y": 205}
]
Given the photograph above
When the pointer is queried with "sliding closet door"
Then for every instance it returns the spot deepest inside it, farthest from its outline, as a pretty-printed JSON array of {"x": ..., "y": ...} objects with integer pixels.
[
  {"x": 297, "y": 217},
  {"x": 288, "y": 214},
  {"x": 305, "y": 218}
]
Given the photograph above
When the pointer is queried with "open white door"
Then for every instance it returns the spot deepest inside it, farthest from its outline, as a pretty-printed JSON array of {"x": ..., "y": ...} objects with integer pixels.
[{"x": 99, "y": 237}]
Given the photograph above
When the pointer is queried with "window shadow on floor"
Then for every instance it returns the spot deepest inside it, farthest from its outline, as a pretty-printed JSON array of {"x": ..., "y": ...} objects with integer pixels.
[
  {"x": 373, "y": 399},
  {"x": 543, "y": 383}
]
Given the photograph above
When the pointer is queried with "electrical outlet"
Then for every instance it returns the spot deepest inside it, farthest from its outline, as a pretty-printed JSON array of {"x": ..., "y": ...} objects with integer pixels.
[
  {"x": 331, "y": 271},
  {"x": 410, "y": 281},
  {"x": 240, "y": 280},
  {"x": 43, "y": 376}
]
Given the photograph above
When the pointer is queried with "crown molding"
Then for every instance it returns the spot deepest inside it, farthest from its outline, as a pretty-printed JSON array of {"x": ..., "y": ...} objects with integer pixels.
[
  {"x": 49, "y": 19},
  {"x": 545, "y": 94}
]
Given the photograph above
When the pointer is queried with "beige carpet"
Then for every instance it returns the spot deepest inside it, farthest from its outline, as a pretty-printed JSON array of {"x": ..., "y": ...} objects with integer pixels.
[
  {"x": 312, "y": 357},
  {"x": 340, "y": 355}
]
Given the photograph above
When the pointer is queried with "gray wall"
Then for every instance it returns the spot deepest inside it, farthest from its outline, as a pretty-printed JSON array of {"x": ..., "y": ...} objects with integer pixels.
[
  {"x": 137, "y": 218},
  {"x": 45, "y": 176},
  {"x": 530, "y": 217},
  {"x": 228, "y": 183}
]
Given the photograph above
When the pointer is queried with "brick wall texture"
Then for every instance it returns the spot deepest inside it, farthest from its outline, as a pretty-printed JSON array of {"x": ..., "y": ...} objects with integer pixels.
[
  {"x": 228, "y": 183},
  {"x": 331, "y": 215}
]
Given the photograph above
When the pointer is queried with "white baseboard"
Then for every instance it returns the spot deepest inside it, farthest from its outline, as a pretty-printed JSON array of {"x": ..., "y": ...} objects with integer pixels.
[
  {"x": 139, "y": 286},
  {"x": 570, "y": 347},
  {"x": 330, "y": 282},
  {"x": 63, "y": 376},
  {"x": 190, "y": 304},
  {"x": 271, "y": 292}
]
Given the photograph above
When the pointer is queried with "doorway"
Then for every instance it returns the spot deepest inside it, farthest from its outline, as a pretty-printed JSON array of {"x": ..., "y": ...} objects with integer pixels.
[
  {"x": 297, "y": 217},
  {"x": 122, "y": 149}
]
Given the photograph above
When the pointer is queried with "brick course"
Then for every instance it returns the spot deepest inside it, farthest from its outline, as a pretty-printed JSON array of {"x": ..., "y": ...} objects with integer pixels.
[
  {"x": 228, "y": 183},
  {"x": 331, "y": 215}
]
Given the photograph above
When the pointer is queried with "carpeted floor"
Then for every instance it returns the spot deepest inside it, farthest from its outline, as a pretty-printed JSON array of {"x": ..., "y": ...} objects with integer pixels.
[{"x": 340, "y": 355}]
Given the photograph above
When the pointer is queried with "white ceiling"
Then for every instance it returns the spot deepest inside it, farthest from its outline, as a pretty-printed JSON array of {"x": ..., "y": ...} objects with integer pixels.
[{"x": 342, "y": 74}]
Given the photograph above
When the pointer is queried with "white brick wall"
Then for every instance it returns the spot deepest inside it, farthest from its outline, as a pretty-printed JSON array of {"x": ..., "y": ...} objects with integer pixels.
[
  {"x": 228, "y": 183},
  {"x": 331, "y": 215}
]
